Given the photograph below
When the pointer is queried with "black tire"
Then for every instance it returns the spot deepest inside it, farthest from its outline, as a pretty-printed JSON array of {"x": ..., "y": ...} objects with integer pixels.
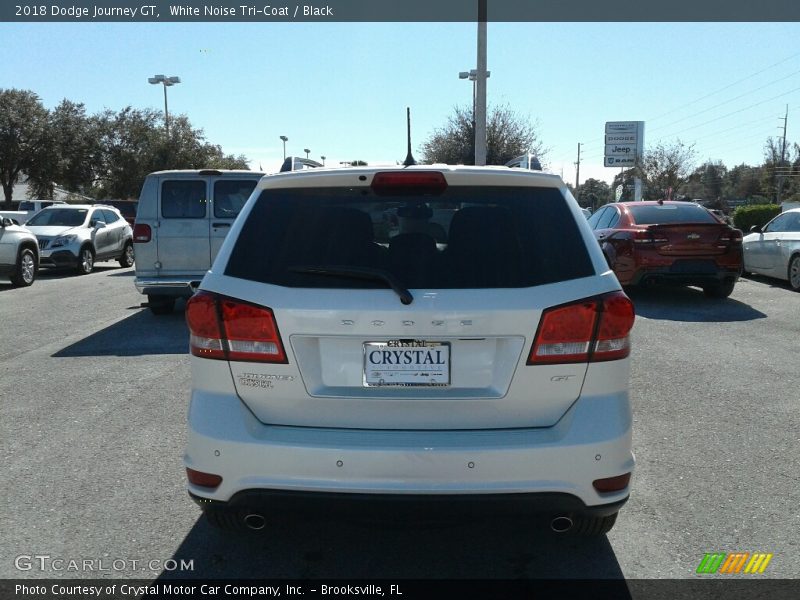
[
  {"x": 719, "y": 290},
  {"x": 160, "y": 305},
  {"x": 589, "y": 526},
  {"x": 85, "y": 261},
  {"x": 25, "y": 271},
  {"x": 794, "y": 272},
  {"x": 127, "y": 258}
]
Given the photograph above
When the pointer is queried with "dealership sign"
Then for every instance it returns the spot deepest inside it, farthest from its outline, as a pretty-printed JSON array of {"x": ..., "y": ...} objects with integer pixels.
[{"x": 624, "y": 143}]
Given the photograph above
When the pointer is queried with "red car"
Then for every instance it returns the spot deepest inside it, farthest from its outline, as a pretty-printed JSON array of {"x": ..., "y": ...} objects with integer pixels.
[{"x": 680, "y": 243}]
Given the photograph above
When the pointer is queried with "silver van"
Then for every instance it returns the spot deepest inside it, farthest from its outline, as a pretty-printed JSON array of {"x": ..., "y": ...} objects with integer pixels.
[{"x": 182, "y": 219}]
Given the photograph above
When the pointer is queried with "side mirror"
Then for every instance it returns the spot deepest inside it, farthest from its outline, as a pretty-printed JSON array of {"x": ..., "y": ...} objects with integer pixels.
[
  {"x": 98, "y": 224},
  {"x": 755, "y": 229},
  {"x": 6, "y": 222}
]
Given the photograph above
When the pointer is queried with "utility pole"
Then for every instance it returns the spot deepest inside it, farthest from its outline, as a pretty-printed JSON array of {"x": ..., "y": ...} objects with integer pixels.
[
  {"x": 578, "y": 169},
  {"x": 779, "y": 170},
  {"x": 480, "y": 89}
]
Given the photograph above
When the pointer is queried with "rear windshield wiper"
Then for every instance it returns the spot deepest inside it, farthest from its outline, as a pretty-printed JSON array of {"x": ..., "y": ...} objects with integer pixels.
[{"x": 359, "y": 273}]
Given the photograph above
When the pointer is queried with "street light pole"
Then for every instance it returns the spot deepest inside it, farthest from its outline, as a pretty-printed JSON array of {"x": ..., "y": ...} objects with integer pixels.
[
  {"x": 307, "y": 151},
  {"x": 323, "y": 160},
  {"x": 472, "y": 75},
  {"x": 166, "y": 82},
  {"x": 480, "y": 88},
  {"x": 284, "y": 139}
]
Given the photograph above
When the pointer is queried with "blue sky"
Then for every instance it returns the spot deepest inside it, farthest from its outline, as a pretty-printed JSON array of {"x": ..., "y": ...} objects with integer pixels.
[{"x": 340, "y": 89}]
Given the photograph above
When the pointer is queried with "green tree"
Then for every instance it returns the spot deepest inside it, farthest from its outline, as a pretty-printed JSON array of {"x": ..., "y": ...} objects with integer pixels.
[
  {"x": 72, "y": 159},
  {"x": 130, "y": 147},
  {"x": 133, "y": 143},
  {"x": 594, "y": 193},
  {"x": 24, "y": 138},
  {"x": 508, "y": 135},
  {"x": 664, "y": 168}
]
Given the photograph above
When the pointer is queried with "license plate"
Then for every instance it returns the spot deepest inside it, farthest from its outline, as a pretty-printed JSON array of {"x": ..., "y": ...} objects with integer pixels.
[{"x": 406, "y": 363}]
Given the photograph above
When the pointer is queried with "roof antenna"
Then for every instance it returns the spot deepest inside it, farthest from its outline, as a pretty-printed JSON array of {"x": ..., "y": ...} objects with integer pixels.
[{"x": 409, "y": 159}]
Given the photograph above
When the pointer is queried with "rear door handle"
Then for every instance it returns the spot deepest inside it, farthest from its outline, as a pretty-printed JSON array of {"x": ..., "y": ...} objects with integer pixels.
[{"x": 220, "y": 224}]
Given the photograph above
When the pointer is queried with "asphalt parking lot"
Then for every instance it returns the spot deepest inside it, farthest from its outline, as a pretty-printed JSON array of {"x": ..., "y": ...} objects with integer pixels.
[{"x": 94, "y": 393}]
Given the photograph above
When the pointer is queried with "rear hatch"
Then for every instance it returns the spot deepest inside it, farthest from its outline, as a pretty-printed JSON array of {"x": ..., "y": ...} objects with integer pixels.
[{"x": 412, "y": 306}]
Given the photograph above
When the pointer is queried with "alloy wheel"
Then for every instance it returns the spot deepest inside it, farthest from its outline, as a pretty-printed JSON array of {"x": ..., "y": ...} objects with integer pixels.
[{"x": 28, "y": 269}]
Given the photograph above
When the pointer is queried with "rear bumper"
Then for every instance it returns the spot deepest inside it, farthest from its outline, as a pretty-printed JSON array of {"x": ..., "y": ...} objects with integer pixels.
[
  {"x": 684, "y": 274},
  {"x": 168, "y": 286},
  {"x": 555, "y": 465},
  {"x": 404, "y": 505}
]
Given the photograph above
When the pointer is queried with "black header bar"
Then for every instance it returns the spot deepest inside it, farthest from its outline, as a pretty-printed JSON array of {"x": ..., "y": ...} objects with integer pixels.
[{"x": 266, "y": 11}]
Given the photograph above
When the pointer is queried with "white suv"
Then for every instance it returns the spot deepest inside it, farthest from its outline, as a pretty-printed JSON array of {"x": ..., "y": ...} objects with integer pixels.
[
  {"x": 442, "y": 335},
  {"x": 79, "y": 235}
]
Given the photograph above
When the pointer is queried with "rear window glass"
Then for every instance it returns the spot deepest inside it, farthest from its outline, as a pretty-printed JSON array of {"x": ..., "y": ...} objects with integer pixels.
[
  {"x": 670, "y": 213},
  {"x": 230, "y": 196},
  {"x": 466, "y": 237},
  {"x": 183, "y": 199}
]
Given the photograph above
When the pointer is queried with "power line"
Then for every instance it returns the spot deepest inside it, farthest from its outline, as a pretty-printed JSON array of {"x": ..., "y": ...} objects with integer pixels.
[
  {"x": 732, "y": 113},
  {"x": 726, "y": 101},
  {"x": 722, "y": 89}
]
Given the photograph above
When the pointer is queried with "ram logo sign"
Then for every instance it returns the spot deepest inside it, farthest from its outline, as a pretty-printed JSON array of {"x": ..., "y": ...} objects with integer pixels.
[{"x": 735, "y": 562}]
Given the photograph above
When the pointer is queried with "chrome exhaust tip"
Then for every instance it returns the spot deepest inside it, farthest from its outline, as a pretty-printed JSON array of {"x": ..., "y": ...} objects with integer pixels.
[
  {"x": 561, "y": 524},
  {"x": 255, "y": 521}
]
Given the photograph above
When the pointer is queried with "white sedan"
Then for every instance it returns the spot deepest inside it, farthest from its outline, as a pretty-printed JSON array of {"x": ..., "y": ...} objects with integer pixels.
[{"x": 775, "y": 250}]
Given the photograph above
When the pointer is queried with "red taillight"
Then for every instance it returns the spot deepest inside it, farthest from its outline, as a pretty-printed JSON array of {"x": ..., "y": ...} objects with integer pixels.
[
  {"x": 591, "y": 330},
  {"x": 203, "y": 479},
  {"x": 205, "y": 335},
  {"x": 565, "y": 334},
  {"x": 616, "y": 321},
  {"x": 141, "y": 233},
  {"x": 387, "y": 183},
  {"x": 612, "y": 484},
  {"x": 228, "y": 329}
]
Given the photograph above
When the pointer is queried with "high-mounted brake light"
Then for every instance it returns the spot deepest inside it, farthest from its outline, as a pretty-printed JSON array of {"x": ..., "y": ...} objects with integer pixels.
[
  {"x": 141, "y": 233},
  {"x": 387, "y": 183},
  {"x": 229, "y": 329},
  {"x": 590, "y": 330}
]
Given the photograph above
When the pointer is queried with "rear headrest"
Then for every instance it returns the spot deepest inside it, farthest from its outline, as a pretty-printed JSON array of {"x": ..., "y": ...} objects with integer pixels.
[
  {"x": 349, "y": 225},
  {"x": 475, "y": 226}
]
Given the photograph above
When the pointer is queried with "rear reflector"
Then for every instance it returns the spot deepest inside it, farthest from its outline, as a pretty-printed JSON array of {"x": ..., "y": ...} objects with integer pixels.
[
  {"x": 388, "y": 183},
  {"x": 203, "y": 479},
  {"x": 591, "y": 330},
  {"x": 649, "y": 237},
  {"x": 141, "y": 233},
  {"x": 612, "y": 484},
  {"x": 732, "y": 237},
  {"x": 228, "y": 329}
]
